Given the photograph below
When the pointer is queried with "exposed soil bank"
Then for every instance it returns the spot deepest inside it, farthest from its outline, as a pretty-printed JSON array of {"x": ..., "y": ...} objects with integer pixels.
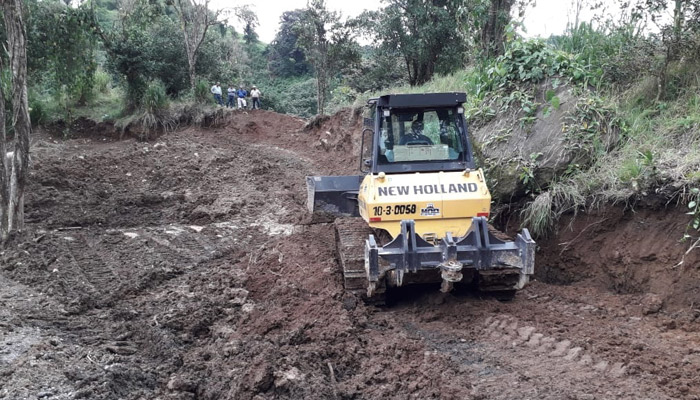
[
  {"x": 625, "y": 251},
  {"x": 185, "y": 268}
]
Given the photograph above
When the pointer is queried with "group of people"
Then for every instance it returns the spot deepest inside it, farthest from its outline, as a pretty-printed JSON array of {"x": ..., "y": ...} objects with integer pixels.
[{"x": 237, "y": 95}]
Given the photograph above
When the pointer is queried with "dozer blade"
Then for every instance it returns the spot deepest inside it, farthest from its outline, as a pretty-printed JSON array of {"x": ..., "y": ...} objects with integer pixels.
[
  {"x": 333, "y": 196},
  {"x": 501, "y": 265}
]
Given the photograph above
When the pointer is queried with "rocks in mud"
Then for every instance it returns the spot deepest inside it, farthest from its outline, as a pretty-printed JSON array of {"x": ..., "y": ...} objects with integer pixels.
[
  {"x": 189, "y": 196},
  {"x": 561, "y": 348},
  {"x": 525, "y": 332},
  {"x": 221, "y": 207},
  {"x": 262, "y": 378},
  {"x": 349, "y": 302},
  {"x": 651, "y": 304},
  {"x": 284, "y": 378},
  {"x": 180, "y": 384},
  {"x": 121, "y": 349},
  {"x": 237, "y": 296}
]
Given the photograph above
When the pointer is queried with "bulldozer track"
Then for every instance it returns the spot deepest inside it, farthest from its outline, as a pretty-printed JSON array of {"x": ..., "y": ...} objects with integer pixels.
[{"x": 351, "y": 234}]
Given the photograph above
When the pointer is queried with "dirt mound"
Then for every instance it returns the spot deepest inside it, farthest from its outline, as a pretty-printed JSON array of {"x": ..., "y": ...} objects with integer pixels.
[
  {"x": 83, "y": 128},
  {"x": 330, "y": 143}
]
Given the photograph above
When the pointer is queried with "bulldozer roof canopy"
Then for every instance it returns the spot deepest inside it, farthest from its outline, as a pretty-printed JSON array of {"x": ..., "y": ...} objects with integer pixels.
[{"x": 451, "y": 99}]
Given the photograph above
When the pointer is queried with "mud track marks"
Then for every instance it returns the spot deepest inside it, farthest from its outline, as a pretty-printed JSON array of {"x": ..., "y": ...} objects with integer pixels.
[{"x": 508, "y": 330}]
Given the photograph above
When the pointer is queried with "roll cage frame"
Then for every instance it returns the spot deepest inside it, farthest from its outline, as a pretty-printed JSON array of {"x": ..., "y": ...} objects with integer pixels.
[{"x": 416, "y": 102}]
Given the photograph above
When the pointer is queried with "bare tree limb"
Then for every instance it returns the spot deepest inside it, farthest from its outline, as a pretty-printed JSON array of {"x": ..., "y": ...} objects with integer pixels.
[
  {"x": 195, "y": 20},
  {"x": 14, "y": 173}
]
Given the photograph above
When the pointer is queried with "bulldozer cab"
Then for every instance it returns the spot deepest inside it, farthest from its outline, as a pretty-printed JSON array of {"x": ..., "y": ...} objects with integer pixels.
[{"x": 419, "y": 133}]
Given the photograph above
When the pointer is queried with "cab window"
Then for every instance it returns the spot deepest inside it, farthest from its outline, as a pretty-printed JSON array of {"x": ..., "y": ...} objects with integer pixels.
[{"x": 423, "y": 135}]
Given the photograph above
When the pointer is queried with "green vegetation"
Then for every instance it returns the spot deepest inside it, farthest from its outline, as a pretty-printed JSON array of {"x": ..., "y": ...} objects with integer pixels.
[
  {"x": 101, "y": 50},
  {"x": 630, "y": 121}
]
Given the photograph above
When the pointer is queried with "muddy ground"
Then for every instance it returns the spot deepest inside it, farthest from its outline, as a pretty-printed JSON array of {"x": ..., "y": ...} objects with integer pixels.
[{"x": 188, "y": 268}]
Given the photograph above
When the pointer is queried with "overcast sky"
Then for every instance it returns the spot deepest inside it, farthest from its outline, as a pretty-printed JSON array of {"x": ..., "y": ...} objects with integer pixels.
[{"x": 545, "y": 18}]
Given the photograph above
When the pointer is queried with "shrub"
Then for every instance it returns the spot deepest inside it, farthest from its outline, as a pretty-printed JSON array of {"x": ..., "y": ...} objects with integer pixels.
[
  {"x": 201, "y": 92},
  {"x": 102, "y": 82},
  {"x": 155, "y": 100},
  {"x": 37, "y": 112}
]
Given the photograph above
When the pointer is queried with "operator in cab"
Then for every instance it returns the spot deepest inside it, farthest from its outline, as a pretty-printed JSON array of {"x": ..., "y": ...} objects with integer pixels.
[{"x": 416, "y": 135}]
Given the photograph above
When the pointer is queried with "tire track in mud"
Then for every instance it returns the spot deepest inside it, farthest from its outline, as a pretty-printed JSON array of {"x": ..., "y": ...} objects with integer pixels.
[
  {"x": 521, "y": 349},
  {"x": 508, "y": 330},
  {"x": 145, "y": 301}
]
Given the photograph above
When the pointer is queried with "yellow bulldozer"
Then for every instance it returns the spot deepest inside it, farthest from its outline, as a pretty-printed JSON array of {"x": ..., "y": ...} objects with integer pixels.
[{"x": 418, "y": 212}]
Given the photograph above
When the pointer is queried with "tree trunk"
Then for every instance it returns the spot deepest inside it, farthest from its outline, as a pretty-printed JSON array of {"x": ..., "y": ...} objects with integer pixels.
[
  {"x": 493, "y": 30},
  {"x": 190, "y": 69},
  {"x": 14, "y": 170},
  {"x": 321, "y": 77},
  {"x": 194, "y": 22},
  {"x": 5, "y": 163},
  {"x": 677, "y": 29}
]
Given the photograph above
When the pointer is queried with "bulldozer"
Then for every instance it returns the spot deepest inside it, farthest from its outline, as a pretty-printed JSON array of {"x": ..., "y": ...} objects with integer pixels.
[{"x": 418, "y": 212}]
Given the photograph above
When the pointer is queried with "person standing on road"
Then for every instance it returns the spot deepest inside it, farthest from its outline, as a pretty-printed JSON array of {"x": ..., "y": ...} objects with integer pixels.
[
  {"x": 255, "y": 95},
  {"x": 242, "y": 93},
  {"x": 231, "y": 96},
  {"x": 216, "y": 91}
]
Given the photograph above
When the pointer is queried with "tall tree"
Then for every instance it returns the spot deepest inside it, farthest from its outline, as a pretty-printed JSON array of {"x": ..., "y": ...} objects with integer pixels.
[
  {"x": 328, "y": 44},
  {"x": 427, "y": 34},
  {"x": 126, "y": 43},
  {"x": 250, "y": 21},
  {"x": 71, "y": 57},
  {"x": 195, "y": 19},
  {"x": 14, "y": 167},
  {"x": 499, "y": 13},
  {"x": 679, "y": 37},
  {"x": 493, "y": 30},
  {"x": 285, "y": 57}
]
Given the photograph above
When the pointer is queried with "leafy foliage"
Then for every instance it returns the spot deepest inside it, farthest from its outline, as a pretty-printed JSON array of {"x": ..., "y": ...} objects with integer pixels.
[
  {"x": 201, "y": 92},
  {"x": 286, "y": 59},
  {"x": 155, "y": 100},
  {"x": 425, "y": 34},
  {"x": 329, "y": 45},
  {"x": 377, "y": 70},
  {"x": 614, "y": 51},
  {"x": 61, "y": 48},
  {"x": 530, "y": 61},
  {"x": 694, "y": 208},
  {"x": 250, "y": 20}
]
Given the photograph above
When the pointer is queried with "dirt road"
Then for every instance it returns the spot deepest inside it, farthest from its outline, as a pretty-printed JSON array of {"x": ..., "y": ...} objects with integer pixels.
[{"x": 187, "y": 268}]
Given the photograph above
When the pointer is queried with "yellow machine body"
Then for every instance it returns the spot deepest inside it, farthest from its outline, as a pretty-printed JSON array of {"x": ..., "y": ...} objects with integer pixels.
[
  {"x": 438, "y": 202},
  {"x": 421, "y": 186}
]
